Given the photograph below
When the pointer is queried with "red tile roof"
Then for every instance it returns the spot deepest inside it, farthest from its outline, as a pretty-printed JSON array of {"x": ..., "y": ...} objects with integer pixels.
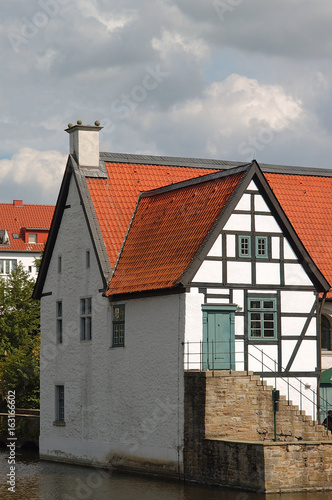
[
  {"x": 305, "y": 200},
  {"x": 14, "y": 217},
  {"x": 115, "y": 198},
  {"x": 166, "y": 233}
]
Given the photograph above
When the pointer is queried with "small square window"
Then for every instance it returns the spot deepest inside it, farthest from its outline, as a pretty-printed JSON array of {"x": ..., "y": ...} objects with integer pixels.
[
  {"x": 32, "y": 238},
  {"x": 118, "y": 326},
  {"x": 261, "y": 247},
  {"x": 244, "y": 246}
]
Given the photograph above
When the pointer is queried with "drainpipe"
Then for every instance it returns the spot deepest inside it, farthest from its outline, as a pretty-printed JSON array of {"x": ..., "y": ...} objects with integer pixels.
[{"x": 320, "y": 353}]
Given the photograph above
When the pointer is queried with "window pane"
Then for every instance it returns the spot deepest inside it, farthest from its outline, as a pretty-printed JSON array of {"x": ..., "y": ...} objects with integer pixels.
[
  {"x": 82, "y": 328},
  {"x": 116, "y": 313},
  {"x": 268, "y": 304},
  {"x": 82, "y": 306},
  {"x": 88, "y": 328},
  {"x": 2, "y": 266},
  {"x": 88, "y": 305},
  {"x": 14, "y": 264},
  {"x": 59, "y": 308},
  {"x": 7, "y": 266}
]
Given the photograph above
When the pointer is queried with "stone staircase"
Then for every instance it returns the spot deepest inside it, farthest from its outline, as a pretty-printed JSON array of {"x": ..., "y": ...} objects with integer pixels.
[{"x": 238, "y": 406}]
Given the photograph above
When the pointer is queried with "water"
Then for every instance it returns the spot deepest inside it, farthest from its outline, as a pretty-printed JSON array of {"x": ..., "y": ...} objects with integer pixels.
[{"x": 41, "y": 480}]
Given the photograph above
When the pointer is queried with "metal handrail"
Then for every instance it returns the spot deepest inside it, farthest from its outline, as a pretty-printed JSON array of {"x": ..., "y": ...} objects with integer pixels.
[{"x": 201, "y": 353}]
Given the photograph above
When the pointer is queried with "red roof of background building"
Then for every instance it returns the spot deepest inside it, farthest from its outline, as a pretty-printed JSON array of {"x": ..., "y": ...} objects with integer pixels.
[
  {"x": 166, "y": 233},
  {"x": 15, "y": 216},
  {"x": 305, "y": 200},
  {"x": 115, "y": 198}
]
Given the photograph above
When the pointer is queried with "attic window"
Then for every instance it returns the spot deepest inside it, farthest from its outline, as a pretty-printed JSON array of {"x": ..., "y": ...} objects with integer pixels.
[
  {"x": 32, "y": 238},
  {"x": 4, "y": 238}
]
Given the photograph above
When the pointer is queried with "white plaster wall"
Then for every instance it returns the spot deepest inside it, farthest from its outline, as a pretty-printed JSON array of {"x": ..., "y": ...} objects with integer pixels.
[
  {"x": 267, "y": 273},
  {"x": 260, "y": 205},
  {"x": 193, "y": 330},
  {"x": 266, "y": 224},
  {"x": 238, "y": 222},
  {"x": 230, "y": 245},
  {"x": 295, "y": 275},
  {"x": 297, "y": 301},
  {"x": 294, "y": 326},
  {"x": 209, "y": 272},
  {"x": 239, "y": 272},
  {"x": 125, "y": 401},
  {"x": 244, "y": 203},
  {"x": 275, "y": 243},
  {"x": 216, "y": 250}
]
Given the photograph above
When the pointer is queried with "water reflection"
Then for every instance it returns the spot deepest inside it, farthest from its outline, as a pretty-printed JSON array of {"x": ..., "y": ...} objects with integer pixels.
[{"x": 40, "y": 480}]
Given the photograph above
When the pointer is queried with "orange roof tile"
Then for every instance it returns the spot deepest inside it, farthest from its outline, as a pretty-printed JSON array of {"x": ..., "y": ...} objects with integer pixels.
[
  {"x": 115, "y": 198},
  {"x": 305, "y": 200},
  {"x": 15, "y": 216},
  {"x": 166, "y": 233}
]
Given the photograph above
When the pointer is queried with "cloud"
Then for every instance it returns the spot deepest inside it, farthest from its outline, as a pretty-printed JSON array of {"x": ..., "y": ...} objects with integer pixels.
[{"x": 35, "y": 174}]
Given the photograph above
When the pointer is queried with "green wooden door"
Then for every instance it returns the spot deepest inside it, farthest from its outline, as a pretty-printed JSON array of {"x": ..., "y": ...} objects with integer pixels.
[{"x": 218, "y": 352}]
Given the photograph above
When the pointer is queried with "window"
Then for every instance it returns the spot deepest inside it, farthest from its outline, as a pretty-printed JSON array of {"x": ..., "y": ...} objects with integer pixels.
[
  {"x": 59, "y": 264},
  {"x": 7, "y": 265},
  {"x": 118, "y": 325},
  {"x": 244, "y": 246},
  {"x": 262, "y": 314},
  {"x": 88, "y": 258},
  {"x": 326, "y": 334},
  {"x": 59, "y": 322},
  {"x": 60, "y": 403},
  {"x": 32, "y": 238},
  {"x": 261, "y": 247},
  {"x": 86, "y": 319},
  {"x": 4, "y": 238}
]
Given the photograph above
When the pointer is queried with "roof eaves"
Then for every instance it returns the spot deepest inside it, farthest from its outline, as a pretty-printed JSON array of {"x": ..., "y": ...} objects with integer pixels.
[{"x": 55, "y": 225}]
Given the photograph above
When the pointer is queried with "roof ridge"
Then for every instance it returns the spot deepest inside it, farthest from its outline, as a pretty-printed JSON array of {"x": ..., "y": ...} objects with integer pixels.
[{"x": 110, "y": 157}]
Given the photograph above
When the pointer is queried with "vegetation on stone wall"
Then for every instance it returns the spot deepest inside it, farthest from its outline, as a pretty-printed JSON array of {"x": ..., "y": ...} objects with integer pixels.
[{"x": 19, "y": 340}]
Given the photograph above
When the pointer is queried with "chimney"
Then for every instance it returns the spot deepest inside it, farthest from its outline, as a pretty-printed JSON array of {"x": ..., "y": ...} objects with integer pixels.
[
  {"x": 18, "y": 203},
  {"x": 84, "y": 143}
]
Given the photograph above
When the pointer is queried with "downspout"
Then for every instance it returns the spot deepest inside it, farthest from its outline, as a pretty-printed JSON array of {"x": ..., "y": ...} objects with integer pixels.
[{"x": 320, "y": 352}]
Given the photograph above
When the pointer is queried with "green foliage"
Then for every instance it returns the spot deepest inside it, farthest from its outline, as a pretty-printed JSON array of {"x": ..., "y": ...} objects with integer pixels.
[{"x": 19, "y": 339}]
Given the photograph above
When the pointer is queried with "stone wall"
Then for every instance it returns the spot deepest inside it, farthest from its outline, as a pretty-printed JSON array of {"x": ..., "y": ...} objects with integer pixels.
[{"x": 222, "y": 448}]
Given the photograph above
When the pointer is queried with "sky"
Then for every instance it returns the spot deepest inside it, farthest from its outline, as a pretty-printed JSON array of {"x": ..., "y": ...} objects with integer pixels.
[{"x": 224, "y": 79}]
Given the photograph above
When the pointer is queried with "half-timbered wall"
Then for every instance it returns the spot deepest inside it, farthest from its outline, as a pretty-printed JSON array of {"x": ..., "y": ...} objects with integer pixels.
[{"x": 252, "y": 265}]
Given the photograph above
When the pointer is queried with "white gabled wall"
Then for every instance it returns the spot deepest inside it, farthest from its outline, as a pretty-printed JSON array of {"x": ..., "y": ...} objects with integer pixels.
[
  {"x": 123, "y": 405},
  {"x": 286, "y": 281}
]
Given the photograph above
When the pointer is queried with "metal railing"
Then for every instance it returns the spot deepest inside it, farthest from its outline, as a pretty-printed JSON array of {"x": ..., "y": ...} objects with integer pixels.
[{"x": 239, "y": 356}]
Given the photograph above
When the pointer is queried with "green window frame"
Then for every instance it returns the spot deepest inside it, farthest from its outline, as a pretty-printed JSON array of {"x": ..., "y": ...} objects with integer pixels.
[
  {"x": 262, "y": 247},
  {"x": 262, "y": 318},
  {"x": 118, "y": 335},
  {"x": 244, "y": 246}
]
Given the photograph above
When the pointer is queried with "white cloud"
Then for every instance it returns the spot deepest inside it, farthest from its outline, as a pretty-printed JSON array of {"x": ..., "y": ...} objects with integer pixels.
[{"x": 36, "y": 171}]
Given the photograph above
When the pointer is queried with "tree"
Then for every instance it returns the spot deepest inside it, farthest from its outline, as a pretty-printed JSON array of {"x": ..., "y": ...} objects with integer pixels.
[{"x": 19, "y": 339}]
